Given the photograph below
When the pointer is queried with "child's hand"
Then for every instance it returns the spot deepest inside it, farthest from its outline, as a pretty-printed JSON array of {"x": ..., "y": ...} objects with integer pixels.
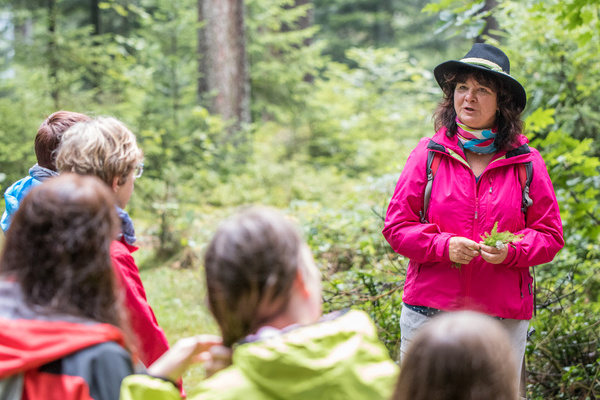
[
  {"x": 215, "y": 359},
  {"x": 199, "y": 348}
]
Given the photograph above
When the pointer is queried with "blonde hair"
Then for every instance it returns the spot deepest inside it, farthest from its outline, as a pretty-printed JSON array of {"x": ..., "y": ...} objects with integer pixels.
[
  {"x": 461, "y": 355},
  {"x": 103, "y": 147}
]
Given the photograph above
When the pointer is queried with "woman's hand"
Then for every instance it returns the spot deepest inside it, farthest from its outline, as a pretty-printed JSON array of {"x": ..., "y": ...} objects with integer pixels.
[
  {"x": 463, "y": 250},
  {"x": 201, "y": 348},
  {"x": 494, "y": 255}
]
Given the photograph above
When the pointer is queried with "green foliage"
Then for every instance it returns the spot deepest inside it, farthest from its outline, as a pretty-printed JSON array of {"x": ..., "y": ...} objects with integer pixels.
[
  {"x": 283, "y": 60},
  {"x": 561, "y": 68},
  {"x": 356, "y": 23},
  {"x": 496, "y": 239},
  {"x": 359, "y": 268},
  {"x": 356, "y": 115},
  {"x": 329, "y": 137},
  {"x": 575, "y": 176},
  {"x": 400, "y": 24}
]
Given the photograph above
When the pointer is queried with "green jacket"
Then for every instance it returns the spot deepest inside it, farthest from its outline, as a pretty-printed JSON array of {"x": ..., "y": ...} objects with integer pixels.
[{"x": 341, "y": 358}]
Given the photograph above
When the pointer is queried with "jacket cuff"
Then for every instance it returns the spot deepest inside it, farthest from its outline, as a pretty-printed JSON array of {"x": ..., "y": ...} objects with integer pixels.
[
  {"x": 162, "y": 378},
  {"x": 135, "y": 387},
  {"x": 442, "y": 245},
  {"x": 511, "y": 257}
]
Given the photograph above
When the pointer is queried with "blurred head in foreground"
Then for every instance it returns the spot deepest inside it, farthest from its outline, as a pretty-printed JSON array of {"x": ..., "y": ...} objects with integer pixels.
[
  {"x": 57, "y": 249},
  {"x": 459, "y": 356},
  {"x": 259, "y": 272}
]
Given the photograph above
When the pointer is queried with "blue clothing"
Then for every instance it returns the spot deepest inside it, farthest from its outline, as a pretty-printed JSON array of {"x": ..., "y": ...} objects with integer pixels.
[
  {"x": 17, "y": 191},
  {"x": 127, "y": 230}
]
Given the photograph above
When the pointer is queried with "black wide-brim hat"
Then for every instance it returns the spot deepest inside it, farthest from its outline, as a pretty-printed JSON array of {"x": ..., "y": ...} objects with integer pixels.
[{"x": 487, "y": 58}]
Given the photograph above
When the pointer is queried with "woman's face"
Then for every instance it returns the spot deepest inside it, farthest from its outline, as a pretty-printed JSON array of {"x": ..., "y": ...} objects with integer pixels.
[{"x": 475, "y": 104}]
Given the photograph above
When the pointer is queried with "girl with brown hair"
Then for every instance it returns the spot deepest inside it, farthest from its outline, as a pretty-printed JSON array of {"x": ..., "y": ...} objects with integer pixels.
[
  {"x": 459, "y": 356},
  {"x": 47, "y": 141},
  {"x": 61, "y": 329},
  {"x": 264, "y": 290}
]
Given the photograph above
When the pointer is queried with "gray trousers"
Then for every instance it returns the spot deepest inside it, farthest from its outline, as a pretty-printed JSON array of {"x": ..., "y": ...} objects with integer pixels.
[{"x": 411, "y": 321}]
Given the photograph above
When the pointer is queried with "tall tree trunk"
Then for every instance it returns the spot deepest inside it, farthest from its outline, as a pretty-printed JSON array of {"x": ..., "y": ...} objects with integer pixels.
[
  {"x": 202, "y": 50},
  {"x": 23, "y": 36},
  {"x": 491, "y": 24},
  {"x": 95, "y": 16},
  {"x": 52, "y": 56},
  {"x": 382, "y": 29},
  {"x": 302, "y": 23},
  {"x": 223, "y": 68}
]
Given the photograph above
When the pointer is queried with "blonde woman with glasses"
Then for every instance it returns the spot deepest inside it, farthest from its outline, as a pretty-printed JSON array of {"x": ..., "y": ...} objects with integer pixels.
[{"x": 105, "y": 148}]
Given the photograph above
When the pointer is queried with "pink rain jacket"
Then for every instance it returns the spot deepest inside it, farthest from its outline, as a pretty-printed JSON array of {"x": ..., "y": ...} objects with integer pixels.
[{"x": 462, "y": 206}]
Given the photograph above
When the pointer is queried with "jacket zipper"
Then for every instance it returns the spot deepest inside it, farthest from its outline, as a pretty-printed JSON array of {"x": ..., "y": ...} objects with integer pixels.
[
  {"x": 475, "y": 229},
  {"x": 521, "y": 283}
]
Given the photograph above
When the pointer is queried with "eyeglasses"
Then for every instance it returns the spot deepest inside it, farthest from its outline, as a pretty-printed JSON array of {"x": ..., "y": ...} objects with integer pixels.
[{"x": 138, "y": 170}]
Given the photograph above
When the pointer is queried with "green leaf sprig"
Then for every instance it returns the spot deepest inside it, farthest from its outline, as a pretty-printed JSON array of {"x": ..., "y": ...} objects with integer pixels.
[{"x": 496, "y": 239}]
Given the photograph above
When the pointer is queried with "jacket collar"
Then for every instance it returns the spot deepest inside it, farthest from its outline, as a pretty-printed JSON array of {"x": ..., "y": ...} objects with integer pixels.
[
  {"x": 519, "y": 153},
  {"x": 128, "y": 246}
]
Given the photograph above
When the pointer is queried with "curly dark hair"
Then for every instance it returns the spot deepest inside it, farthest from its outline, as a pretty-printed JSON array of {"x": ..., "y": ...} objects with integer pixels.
[
  {"x": 509, "y": 122},
  {"x": 58, "y": 249}
]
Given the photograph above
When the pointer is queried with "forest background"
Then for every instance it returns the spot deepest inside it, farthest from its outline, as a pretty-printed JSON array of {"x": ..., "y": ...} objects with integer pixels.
[{"x": 312, "y": 107}]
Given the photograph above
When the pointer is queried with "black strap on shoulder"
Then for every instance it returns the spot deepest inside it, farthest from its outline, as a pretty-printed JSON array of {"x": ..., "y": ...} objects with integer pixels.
[
  {"x": 527, "y": 202},
  {"x": 525, "y": 171},
  {"x": 433, "y": 161},
  {"x": 428, "y": 186}
]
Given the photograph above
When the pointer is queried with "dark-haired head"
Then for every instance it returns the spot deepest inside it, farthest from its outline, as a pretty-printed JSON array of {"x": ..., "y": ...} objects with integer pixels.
[
  {"x": 462, "y": 355},
  {"x": 508, "y": 118},
  {"x": 50, "y": 133},
  {"x": 58, "y": 248},
  {"x": 254, "y": 266}
]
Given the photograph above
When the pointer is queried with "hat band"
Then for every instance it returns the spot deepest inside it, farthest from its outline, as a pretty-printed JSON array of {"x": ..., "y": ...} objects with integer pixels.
[{"x": 482, "y": 62}]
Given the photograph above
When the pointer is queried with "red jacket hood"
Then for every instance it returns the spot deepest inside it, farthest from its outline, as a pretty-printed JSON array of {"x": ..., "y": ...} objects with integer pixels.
[{"x": 28, "y": 344}]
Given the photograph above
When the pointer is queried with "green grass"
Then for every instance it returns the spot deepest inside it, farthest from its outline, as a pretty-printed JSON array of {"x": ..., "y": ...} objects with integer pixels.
[{"x": 177, "y": 297}]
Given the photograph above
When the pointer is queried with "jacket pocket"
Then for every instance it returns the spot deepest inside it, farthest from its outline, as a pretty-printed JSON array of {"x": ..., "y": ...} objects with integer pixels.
[{"x": 521, "y": 284}]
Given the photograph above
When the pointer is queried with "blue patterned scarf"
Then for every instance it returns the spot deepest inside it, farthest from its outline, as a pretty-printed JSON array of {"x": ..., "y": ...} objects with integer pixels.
[
  {"x": 477, "y": 140},
  {"x": 41, "y": 173},
  {"x": 127, "y": 230}
]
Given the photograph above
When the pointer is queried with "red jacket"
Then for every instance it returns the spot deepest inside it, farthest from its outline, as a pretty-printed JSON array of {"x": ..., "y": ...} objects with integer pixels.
[
  {"x": 463, "y": 206},
  {"x": 61, "y": 360},
  {"x": 152, "y": 339}
]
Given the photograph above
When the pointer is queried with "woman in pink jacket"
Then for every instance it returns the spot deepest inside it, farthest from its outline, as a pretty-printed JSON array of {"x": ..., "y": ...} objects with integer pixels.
[{"x": 478, "y": 182}]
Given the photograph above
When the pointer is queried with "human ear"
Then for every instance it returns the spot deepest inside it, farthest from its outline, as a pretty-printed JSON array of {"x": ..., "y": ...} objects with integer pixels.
[
  {"x": 300, "y": 283},
  {"x": 115, "y": 184}
]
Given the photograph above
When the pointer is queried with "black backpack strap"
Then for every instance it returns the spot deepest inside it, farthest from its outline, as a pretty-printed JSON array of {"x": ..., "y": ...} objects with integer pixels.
[
  {"x": 527, "y": 202},
  {"x": 433, "y": 161},
  {"x": 428, "y": 186},
  {"x": 525, "y": 171}
]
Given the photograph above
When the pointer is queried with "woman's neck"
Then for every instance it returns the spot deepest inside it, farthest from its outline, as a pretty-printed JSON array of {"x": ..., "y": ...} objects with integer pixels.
[{"x": 478, "y": 161}]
